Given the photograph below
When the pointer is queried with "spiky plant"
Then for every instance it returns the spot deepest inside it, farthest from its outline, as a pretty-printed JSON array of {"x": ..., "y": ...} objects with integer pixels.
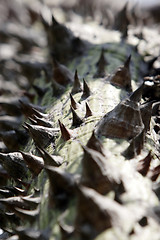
[{"x": 90, "y": 168}]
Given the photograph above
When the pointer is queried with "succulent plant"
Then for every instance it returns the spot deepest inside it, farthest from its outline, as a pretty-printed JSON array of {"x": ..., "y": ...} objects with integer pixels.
[{"x": 87, "y": 164}]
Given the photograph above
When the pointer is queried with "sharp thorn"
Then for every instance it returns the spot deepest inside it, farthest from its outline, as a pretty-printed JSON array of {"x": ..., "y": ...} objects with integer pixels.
[
  {"x": 137, "y": 94},
  {"x": 88, "y": 111},
  {"x": 77, "y": 121},
  {"x": 34, "y": 163},
  {"x": 64, "y": 132},
  {"x": 74, "y": 104},
  {"x": 86, "y": 90},
  {"x": 50, "y": 160},
  {"x": 76, "y": 84}
]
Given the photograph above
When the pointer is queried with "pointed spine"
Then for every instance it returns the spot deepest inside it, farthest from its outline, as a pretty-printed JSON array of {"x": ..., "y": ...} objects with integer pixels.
[
  {"x": 137, "y": 94},
  {"x": 29, "y": 110},
  {"x": 77, "y": 121},
  {"x": 33, "y": 202},
  {"x": 135, "y": 147},
  {"x": 42, "y": 136},
  {"x": 102, "y": 62},
  {"x": 122, "y": 21},
  {"x": 58, "y": 89},
  {"x": 74, "y": 104},
  {"x": 88, "y": 111},
  {"x": 95, "y": 174},
  {"x": 34, "y": 163},
  {"x": 12, "y": 202},
  {"x": 154, "y": 173},
  {"x": 62, "y": 186},
  {"x": 76, "y": 84},
  {"x": 95, "y": 144},
  {"x": 88, "y": 199},
  {"x": 61, "y": 74},
  {"x": 39, "y": 114},
  {"x": 64, "y": 132},
  {"x": 16, "y": 191},
  {"x": 50, "y": 160},
  {"x": 122, "y": 76},
  {"x": 127, "y": 62},
  {"x": 144, "y": 164},
  {"x": 146, "y": 113},
  {"x": 27, "y": 215},
  {"x": 66, "y": 231},
  {"x": 124, "y": 121},
  {"x": 42, "y": 122},
  {"x": 86, "y": 90},
  {"x": 54, "y": 21},
  {"x": 33, "y": 121}
]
